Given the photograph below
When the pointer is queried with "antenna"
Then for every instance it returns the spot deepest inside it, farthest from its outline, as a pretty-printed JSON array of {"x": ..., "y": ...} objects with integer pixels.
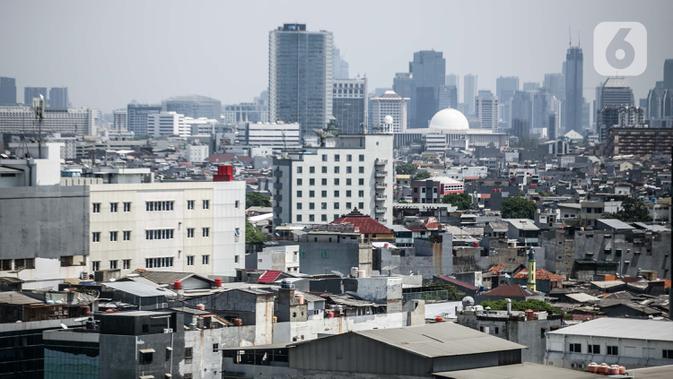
[
  {"x": 570, "y": 37},
  {"x": 38, "y": 107}
]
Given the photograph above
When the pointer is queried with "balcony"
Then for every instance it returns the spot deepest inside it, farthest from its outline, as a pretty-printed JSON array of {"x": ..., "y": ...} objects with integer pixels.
[
  {"x": 381, "y": 162},
  {"x": 380, "y": 199},
  {"x": 379, "y": 210},
  {"x": 380, "y": 174}
]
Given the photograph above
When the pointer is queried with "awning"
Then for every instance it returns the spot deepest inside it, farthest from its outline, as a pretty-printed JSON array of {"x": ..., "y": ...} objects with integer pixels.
[{"x": 146, "y": 351}]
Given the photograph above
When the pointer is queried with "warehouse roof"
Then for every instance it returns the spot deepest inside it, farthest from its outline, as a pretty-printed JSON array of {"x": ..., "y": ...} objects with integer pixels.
[
  {"x": 440, "y": 340},
  {"x": 521, "y": 371},
  {"x": 622, "y": 328}
]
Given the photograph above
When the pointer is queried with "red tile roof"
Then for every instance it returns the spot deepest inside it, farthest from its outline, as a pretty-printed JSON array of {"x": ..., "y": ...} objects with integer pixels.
[
  {"x": 364, "y": 224},
  {"x": 540, "y": 274},
  {"x": 457, "y": 282},
  {"x": 508, "y": 290},
  {"x": 269, "y": 276}
]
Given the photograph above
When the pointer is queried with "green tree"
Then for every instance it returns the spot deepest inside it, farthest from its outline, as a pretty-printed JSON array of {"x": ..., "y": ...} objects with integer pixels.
[
  {"x": 518, "y": 207},
  {"x": 461, "y": 200},
  {"x": 253, "y": 236},
  {"x": 633, "y": 210},
  {"x": 422, "y": 175},
  {"x": 405, "y": 169},
  {"x": 257, "y": 199},
  {"x": 521, "y": 305}
]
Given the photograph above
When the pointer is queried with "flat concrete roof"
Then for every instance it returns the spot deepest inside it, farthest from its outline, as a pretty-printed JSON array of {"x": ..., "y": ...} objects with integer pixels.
[
  {"x": 621, "y": 328},
  {"x": 525, "y": 370}
]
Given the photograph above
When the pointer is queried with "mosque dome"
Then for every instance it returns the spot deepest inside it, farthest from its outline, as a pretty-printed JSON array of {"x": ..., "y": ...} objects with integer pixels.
[{"x": 449, "y": 119}]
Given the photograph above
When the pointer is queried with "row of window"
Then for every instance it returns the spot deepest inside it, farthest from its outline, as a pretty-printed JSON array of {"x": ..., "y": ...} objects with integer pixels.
[
  {"x": 17, "y": 264},
  {"x": 311, "y": 218},
  {"x": 151, "y": 262},
  {"x": 593, "y": 349},
  {"x": 323, "y": 181},
  {"x": 336, "y": 205},
  {"x": 337, "y": 158},
  {"x": 152, "y": 206},
  {"x": 154, "y": 234},
  {"x": 337, "y": 193},
  {"x": 337, "y": 170}
]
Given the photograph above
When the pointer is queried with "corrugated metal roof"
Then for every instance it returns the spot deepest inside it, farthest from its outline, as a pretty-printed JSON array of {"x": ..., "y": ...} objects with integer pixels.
[
  {"x": 622, "y": 328},
  {"x": 524, "y": 370},
  {"x": 137, "y": 289},
  {"x": 440, "y": 340},
  {"x": 17, "y": 298}
]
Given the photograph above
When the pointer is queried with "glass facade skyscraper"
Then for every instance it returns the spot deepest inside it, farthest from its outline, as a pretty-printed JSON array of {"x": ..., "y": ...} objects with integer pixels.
[
  {"x": 574, "y": 99},
  {"x": 300, "y": 76}
]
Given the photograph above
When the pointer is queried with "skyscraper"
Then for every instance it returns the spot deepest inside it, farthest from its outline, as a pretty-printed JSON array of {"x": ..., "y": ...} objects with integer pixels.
[
  {"x": 119, "y": 120},
  {"x": 403, "y": 85},
  {"x": 29, "y": 93},
  {"x": 486, "y": 109},
  {"x": 448, "y": 97},
  {"x": 194, "y": 106},
  {"x": 522, "y": 114},
  {"x": 136, "y": 117},
  {"x": 428, "y": 72},
  {"x": 7, "y": 91},
  {"x": 668, "y": 73},
  {"x": 349, "y": 104},
  {"x": 470, "y": 83},
  {"x": 554, "y": 84},
  {"x": 389, "y": 104},
  {"x": 58, "y": 98},
  {"x": 574, "y": 100},
  {"x": 505, "y": 87},
  {"x": 452, "y": 80},
  {"x": 611, "y": 95},
  {"x": 340, "y": 65},
  {"x": 300, "y": 76}
]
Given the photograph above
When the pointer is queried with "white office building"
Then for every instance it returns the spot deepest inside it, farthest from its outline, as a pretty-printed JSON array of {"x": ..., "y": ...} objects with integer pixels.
[
  {"x": 21, "y": 120},
  {"x": 271, "y": 134},
  {"x": 166, "y": 124},
  {"x": 195, "y": 227},
  {"x": 201, "y": 126},
  {"x": 486, "y": 109},
  {"x": 197, "y": 153},
  {"x": 389, "y": 104},
  {"x": 119, "y": 120},
  {"x": 629, "y": 342},
  {"x": 323, "y": 183}
]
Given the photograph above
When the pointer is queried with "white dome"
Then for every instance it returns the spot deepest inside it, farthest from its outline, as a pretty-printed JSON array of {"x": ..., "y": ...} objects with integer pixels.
[
  {"x": 388, "y": 120},
  {"x": 449, "y": 119}
]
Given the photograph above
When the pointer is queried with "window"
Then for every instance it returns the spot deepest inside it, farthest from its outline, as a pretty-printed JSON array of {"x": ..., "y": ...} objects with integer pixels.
[
  {"x": 324, "y": 169},
  {"x": 298, "y": 206},
  {"x": 95, "y": 207},
  {"x": 6, "y": 265},
  {"x": 145, "y": 356},
  {"x": 324, "y": 157},
  {"x": 126, "y": 264},
  {"x": 95, "y": 265},
  {"x": 323, "y": 218},
  {"x": 349, "y": 170},
  {"x": 311, "y": 182},
  {"x": 337, "y": 157},
  {"x": 113, "y": 264},
  {"x": 299, "y": 194},
  {"x": 188, "y": 355},
  {"x": 311, "y": 193},
  {"x": 361, "y": 193},
  {"x": 159, "y": 262},
  {"x": 205, "y": 232},
  {"x": 299, "y": 219},
  {"x": 667, "y": 354},
  {"x": 205, "y": 259},
  {"x": 236, "y": 258},
  {"x": 300, "y": 169},
  {"x": 113, "y": 207},
  {"x": 361, "y": 182},
  {"x": 336, "y": 205},
  {"x": 159, "y": 206},
  {"x": 216, "y": 347},
  {"x": 361, "y": 170},
  {"x": 190, "y": 260},
  {"x": 323, "y": 181},
  {"x": 336, "y": 181},
  {"x": 349, "y": 205},
  {"x": 349, "y": 182},
  {"x": 594, "y": 349},
  {"x": 361, "y": 157},
  {"x": 336, "y": 193},
  {"x": 127, "y": 206},
  {"x": 190, "y": 232},
  {"x": 24, "y": 264},
  {"x": 311, "y": 218},
  {"x": 311, "y": 205},
  {"x": 613, "y": 350},
  {"x": 323, "y": 193},
  {"x": 169, "y": 350},
  {"x": 237, "y": 204},
  {"x": 95, "y": 236},
  {"x": 336, "y": 169},
  {"x": 127, "y": 235},
  {"x": 299, "y": 181},
  {"x": 323, "y": 205},
  {"x": 361, "y": 205},
  {"x": 113, "y": 235},
  {"x": 349, "y": 157},
  {"x": 159, "y": 234},
  {"x": 349, "y": 193},
  {"x": 575, "y": 348},
  {"x": 311, "y": 170},
  {"x": 190, "y": 204},
  {"x": 205, "y": 204}
]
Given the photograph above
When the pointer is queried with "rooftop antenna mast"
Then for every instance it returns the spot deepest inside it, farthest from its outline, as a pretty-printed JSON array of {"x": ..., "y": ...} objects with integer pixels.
[{"x": 38, "y": 107}]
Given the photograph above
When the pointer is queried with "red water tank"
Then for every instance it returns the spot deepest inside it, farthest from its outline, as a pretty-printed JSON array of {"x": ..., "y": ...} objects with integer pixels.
[
  {"x": 225, "y": 173},
  {"x": 218, "y": 282},
  {"x": 177, "y": 285},
  {"x": 439, "y": 318}
]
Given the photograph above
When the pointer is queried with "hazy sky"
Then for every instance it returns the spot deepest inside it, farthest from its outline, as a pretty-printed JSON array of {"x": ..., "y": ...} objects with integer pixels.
[{"x": 110, "y": 52}]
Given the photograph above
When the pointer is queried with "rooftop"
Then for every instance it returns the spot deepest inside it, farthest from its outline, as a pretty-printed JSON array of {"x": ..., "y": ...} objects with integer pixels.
[
  {"x": 364, "y": 223},
  {"x": 524, "y": 370},
  {"x": 622, "y": 328}
]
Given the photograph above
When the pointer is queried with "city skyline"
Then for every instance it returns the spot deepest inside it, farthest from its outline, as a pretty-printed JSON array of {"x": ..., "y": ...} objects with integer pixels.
[{"x": 214, "y": 58}]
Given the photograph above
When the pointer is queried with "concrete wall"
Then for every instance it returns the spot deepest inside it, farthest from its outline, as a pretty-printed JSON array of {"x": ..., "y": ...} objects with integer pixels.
[
  {"x": 323, "y": 257},
  {"x": 44, "y": 221}
]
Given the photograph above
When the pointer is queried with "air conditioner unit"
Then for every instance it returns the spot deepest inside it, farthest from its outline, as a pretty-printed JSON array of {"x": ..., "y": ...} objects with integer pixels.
[{"x": 168, "y": 330}]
